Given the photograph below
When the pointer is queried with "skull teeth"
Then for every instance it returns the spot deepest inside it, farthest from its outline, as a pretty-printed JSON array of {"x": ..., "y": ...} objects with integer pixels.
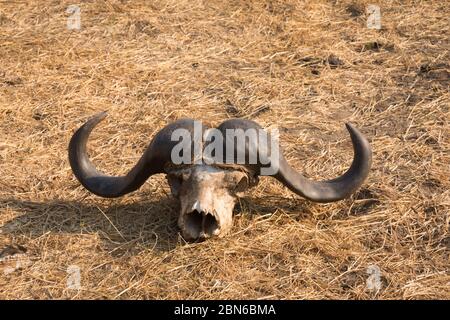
[
  {"x": 197, "y": 207},
  {"x": 200, "y": 223},
  {"x": 204, "y": 211}
]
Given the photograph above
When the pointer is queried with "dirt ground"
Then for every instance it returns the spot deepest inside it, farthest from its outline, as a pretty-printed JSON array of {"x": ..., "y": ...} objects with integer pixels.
[{"x": 304, "y": 67}]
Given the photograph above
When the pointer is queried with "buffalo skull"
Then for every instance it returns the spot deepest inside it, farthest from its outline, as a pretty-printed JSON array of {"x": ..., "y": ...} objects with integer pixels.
[{"x": 208, "y": 191}]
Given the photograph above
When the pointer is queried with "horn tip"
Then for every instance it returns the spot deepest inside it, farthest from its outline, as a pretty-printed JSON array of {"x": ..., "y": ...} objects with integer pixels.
[
  {"x": 97, "y": 118},
  {"x": 102, "y": 115},
  {"x": 360, "y": 139},
  {"x": 353, "y": 130},
  {"x": 349, "y": 126}
]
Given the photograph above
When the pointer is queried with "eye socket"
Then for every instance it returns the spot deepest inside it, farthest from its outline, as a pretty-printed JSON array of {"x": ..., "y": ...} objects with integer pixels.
[
  {"x": 178, "y": 177},
  {"x": 242, "y": 185},
  {"x": 175, "y": 182}
]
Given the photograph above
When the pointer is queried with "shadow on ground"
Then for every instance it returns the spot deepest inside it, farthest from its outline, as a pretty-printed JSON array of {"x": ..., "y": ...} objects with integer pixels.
[
  {"x": 150, "y": 224},
  {"x": 130, "y": 228}
]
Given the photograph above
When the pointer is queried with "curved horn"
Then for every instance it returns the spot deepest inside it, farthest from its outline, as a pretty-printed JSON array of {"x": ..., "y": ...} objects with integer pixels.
[
  {"x": 318, "y": 191},
  {"x": 153, "y": 161}
]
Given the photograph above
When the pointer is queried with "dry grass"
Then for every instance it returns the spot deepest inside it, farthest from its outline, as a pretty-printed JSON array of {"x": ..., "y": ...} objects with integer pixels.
[{"x": 302, "y": 66}]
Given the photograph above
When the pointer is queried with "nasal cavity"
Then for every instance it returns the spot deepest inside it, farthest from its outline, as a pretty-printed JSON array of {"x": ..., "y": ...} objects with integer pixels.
[
  {"x": 201, "y": 224},
  {"x": 193, "y": 223},
  {"x": 210, "y": 225}
]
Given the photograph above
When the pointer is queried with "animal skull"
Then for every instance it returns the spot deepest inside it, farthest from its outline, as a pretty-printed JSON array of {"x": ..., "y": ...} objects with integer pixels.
[
  {"x": 208, "y": 192},
  {"x": 207, "y": 197}
]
